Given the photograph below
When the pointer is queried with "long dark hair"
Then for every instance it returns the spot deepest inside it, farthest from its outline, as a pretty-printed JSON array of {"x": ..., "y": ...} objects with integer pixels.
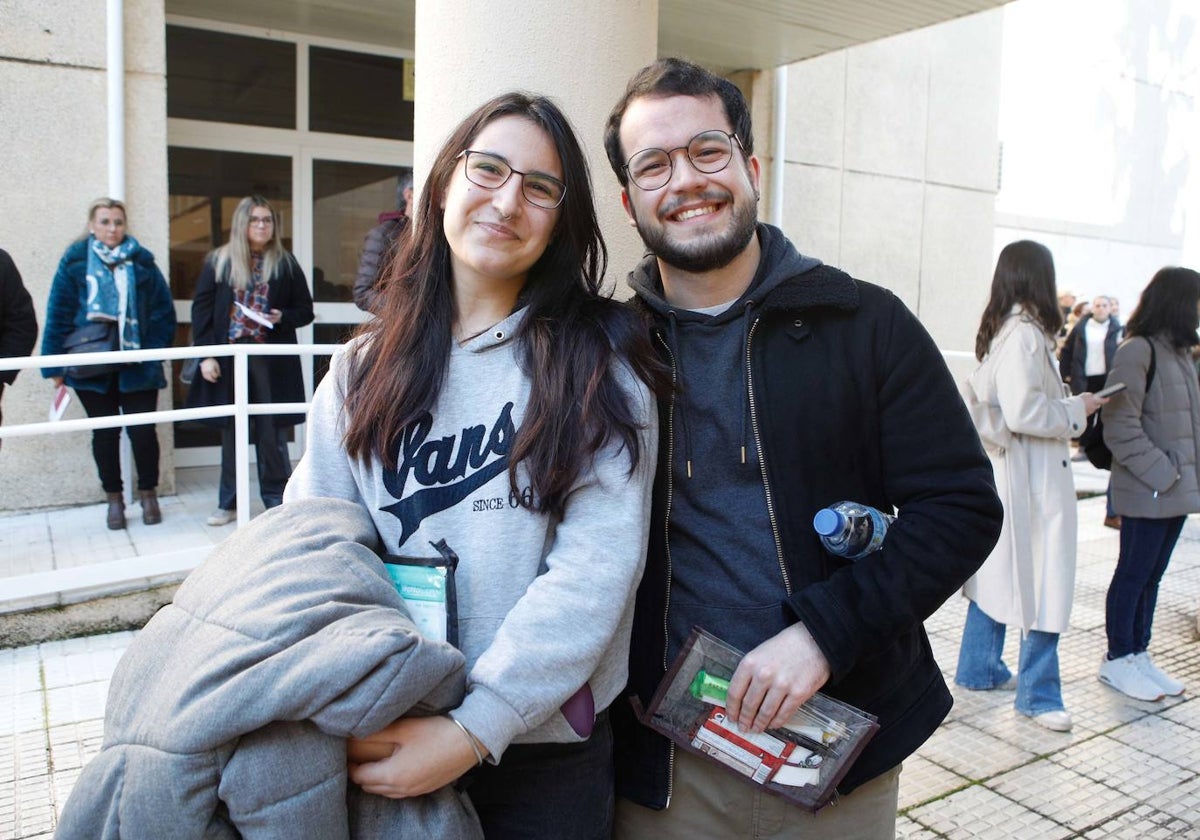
[
  {"x": 570, "y": 340},
  {"x": 1025, "y": 276},
  {"x": 1168, "y": 308}
]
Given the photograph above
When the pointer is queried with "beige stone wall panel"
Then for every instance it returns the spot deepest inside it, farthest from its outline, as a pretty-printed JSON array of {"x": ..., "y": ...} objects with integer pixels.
[{"x": 53, "y": 108}]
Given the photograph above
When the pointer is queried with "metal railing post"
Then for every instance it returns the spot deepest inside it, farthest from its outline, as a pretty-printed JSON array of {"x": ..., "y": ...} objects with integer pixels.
[{"x": 241, "y": 431}]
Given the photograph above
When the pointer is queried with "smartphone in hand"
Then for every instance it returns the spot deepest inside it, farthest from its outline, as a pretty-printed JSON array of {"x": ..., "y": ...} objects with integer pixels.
[{"x": 1115, "y": 388}]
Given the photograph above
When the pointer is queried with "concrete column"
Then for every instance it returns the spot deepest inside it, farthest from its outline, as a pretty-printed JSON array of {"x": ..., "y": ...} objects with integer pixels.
[{"x": 579, "y": 53}]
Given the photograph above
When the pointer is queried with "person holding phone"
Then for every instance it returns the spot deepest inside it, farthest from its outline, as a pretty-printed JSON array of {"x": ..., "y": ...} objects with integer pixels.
[{"x": 1029, "y": 579}]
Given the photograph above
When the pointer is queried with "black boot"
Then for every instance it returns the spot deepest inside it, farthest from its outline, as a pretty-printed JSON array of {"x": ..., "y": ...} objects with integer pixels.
[
  {"x": 151, "y": 515},
  {"x": 116, "y": 511}
]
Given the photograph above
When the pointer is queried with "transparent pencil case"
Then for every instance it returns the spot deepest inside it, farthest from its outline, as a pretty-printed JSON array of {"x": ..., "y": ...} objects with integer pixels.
[{"x": 802, "y": 761}]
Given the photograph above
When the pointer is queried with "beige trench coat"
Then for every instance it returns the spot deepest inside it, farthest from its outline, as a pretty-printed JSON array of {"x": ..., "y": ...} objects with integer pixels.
[{"x": 1025, "y": 420}]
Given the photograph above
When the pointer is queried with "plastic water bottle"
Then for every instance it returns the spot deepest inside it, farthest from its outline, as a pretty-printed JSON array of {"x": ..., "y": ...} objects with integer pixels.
[{"x": 850, "y": 529}]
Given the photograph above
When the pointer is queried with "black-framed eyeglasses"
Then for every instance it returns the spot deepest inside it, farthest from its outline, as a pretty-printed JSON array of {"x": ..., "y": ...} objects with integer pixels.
[
  {"x": 709, "y": 152},
  {"x": 492, "y": 172}
]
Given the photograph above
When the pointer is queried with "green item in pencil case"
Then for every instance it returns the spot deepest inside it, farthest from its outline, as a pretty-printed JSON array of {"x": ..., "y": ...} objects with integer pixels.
[{"x": 711, "y": 689}]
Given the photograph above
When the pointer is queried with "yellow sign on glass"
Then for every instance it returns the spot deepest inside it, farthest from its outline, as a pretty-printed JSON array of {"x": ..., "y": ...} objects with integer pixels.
[{"x": 410, "y": 85}]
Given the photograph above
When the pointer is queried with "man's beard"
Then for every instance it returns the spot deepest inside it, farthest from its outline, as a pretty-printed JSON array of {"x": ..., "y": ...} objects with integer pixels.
[{"x": 708, "y": 252}]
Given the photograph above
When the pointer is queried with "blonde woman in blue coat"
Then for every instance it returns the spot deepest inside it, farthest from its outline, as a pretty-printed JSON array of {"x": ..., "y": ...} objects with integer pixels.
[{"x": 107, "y": 276}]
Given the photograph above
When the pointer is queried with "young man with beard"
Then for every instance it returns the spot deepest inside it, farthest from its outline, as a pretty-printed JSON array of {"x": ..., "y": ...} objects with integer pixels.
[{"x": 797, "y": 387}]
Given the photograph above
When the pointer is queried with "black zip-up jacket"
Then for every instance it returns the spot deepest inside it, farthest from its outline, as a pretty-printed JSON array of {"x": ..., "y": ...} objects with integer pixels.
[
  {"x": 1072, "y": 364},
  {"x": 849, "y": 399}
]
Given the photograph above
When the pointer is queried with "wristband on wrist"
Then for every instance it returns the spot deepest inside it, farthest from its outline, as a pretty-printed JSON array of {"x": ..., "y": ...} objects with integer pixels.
[{"x": 471, "y": 741}]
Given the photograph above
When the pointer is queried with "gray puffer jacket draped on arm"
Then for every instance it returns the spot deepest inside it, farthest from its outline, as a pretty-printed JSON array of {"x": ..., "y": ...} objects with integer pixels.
[{"x": 228, "y": 714}]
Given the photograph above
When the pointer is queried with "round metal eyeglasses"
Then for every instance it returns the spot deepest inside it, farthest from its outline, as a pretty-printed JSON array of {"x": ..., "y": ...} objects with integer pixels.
[
  {"x": 492, "y": 172},
  {"x": 709, "y": 152}
]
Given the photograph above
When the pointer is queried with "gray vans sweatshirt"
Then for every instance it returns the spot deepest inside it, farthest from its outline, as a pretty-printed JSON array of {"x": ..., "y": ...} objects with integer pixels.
[{"x": 544, "y": 605}]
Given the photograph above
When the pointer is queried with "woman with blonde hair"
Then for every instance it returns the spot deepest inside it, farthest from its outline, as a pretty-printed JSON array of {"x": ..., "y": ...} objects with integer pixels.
[
  {"x": 107, "y": 278},
  {"x": 251, "y": 290}
]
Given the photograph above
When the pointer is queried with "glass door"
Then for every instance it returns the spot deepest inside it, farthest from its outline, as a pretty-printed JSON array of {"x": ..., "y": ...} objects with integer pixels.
[
  {"x": 347, "y": 201},
  {"x": 205, "y": 187}
]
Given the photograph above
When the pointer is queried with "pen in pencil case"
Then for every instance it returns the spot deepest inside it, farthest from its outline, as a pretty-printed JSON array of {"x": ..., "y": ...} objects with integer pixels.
[{"x": 806, "y": 722}]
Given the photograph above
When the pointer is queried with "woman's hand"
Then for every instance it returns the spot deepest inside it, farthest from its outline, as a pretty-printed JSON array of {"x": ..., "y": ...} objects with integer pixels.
[
  {"x": 210, "y": 369},
  {"x": 1092, "y": 403},
  {"x": 274, "y": 316},
  {"x": 422, "y": 755}
]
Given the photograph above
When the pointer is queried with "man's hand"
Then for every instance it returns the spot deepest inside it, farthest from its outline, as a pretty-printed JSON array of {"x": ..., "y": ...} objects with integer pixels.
[
  {"x": 423, "y": 754},
  {"x": 775, "y": 678}
]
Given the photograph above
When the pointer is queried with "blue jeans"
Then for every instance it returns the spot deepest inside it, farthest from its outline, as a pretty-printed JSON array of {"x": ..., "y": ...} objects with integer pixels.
[
  {"x": 1146, "y": 546},
  {"x": 980, "y": 667},
  {"x": 548, "y": 790}
]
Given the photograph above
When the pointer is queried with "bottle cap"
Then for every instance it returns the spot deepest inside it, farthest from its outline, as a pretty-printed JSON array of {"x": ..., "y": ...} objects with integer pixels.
[{"x": 828, "y": 522}]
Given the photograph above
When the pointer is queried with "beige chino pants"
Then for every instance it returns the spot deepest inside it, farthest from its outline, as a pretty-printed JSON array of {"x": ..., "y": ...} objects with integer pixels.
[{"x": 710, "y": 802}]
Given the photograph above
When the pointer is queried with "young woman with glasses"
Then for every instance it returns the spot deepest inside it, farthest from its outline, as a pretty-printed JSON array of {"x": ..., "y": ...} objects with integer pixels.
[
  {"x": 251, "y": 290},
  {"x": 501, "y": 403},
  {"x": 107, "y": 277}
]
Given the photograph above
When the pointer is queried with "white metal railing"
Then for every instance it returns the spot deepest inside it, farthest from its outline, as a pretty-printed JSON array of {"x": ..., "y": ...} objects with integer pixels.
[
  {"x": 124, "y": 570},
  {"x": 135, "y": 568}
]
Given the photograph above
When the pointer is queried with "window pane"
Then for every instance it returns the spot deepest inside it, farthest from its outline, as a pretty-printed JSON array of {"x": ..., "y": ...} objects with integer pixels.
[
  {"x": 347, "y": 200},
  {"x": 355, "y": 93},
  {"x": 205, "y": 187},
  {"x": 230, "y": 78}
]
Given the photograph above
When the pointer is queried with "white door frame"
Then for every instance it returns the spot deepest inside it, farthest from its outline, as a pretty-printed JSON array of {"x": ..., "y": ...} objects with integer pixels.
[{"x": 302, "y": 147}]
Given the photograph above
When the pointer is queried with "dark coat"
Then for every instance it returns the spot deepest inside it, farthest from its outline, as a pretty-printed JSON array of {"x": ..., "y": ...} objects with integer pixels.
[
  {"x": 381, "y": 244},
  {"x": 1073, "y": 361},
  {"x": 18, "y": 321},
  {"x": 66, "y": 311},
  {"x": 852, "y": 400},
  {"x": 288, "y": 292}
]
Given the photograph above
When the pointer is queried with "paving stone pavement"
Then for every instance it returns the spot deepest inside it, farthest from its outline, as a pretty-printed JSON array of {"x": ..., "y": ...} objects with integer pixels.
[{"x": 1127, "y": 770}]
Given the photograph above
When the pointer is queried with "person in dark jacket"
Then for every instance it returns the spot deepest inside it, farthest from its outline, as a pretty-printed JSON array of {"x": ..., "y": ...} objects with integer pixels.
[
  {"x": 251, "y": 290},
  {"x": 1087, "y": 357},
  {"x": 798, "y": 387},
  {"x": 107, "y": 276},
  {"x": 18, "y": 321},
  {"x": 382, "y": 243}
]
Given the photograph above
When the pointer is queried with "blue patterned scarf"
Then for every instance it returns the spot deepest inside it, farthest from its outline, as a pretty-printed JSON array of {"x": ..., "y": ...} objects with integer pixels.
[{"x": 107, "y": 270}]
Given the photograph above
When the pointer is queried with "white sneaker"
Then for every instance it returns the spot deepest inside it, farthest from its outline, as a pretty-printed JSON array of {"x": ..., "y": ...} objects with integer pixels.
[
  {"x": 1170, "y": 686},
  {"x": 1125, "y": 676},
  {"x": 1059, "y": 720},
  {"x": 220, "y": 516}
]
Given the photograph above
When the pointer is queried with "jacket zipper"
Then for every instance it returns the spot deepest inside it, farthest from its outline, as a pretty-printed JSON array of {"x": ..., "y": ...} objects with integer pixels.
[
  {"x": 762, "y": 461},
  {"x": 667, "y": 546}
]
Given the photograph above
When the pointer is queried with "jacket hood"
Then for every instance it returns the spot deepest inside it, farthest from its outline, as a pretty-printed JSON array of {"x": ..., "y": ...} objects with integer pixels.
[{"x": 784, "y": 279}]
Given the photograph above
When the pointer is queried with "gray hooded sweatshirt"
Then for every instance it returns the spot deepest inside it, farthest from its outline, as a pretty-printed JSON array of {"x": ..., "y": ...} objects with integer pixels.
[
  {"x": 545, "y": 606},
  {"x": 227, "y": 715}
]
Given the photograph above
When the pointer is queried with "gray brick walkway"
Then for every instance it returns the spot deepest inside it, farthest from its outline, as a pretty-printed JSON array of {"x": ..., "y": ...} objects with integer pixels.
[{"x": 1128, "y": 770}]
